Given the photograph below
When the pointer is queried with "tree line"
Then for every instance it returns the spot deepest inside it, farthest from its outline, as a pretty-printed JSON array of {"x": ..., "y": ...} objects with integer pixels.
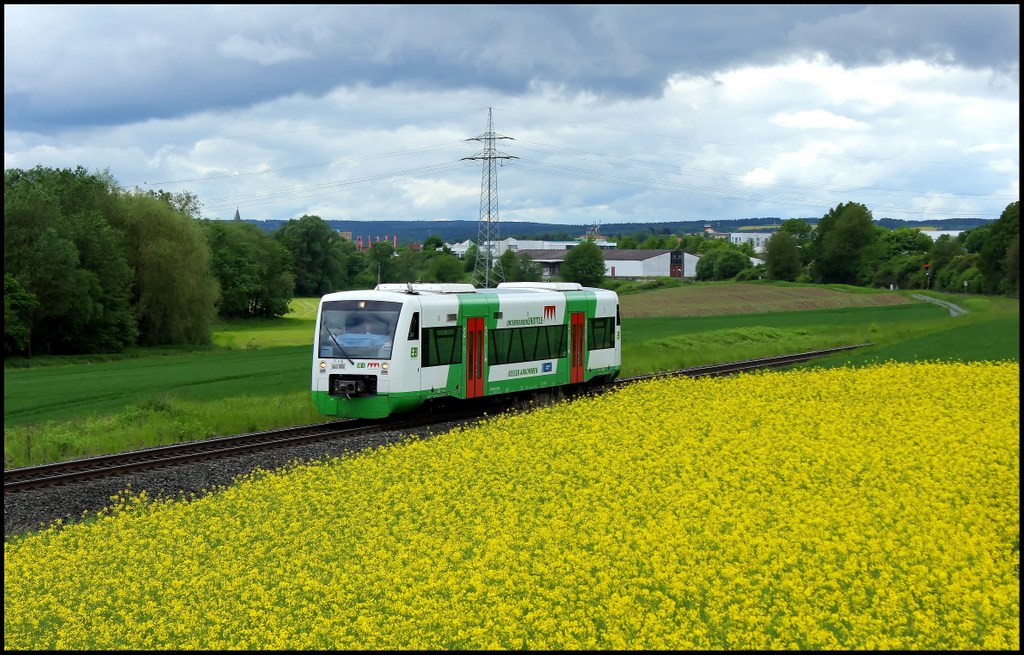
[
  {"x": 90, "y": 267},
  {"x": 847, "y": 247}
]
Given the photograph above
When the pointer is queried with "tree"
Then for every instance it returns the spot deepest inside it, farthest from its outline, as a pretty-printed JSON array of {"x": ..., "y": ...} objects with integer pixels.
[
  {"x": 1001, "y": 274},
  {"x": 974, "y": 239},
  {"x": 905, "y": 241},
  {"x": 60, "y": 248},
  {"x": 18, "y": 307},
  {"x": 800, "y": 229},
  {"x": 434, "y": 244},
  {"x": 381, "y": 263},
  {"x": 410, "y": 265},
  {"x": 472, "y": 252},
  {"x": 730, "y": 263},
  {"x": 174, "y": 290},
  {"x": 904, "y": 271},
  {"x": 746, "y": 247},
  {"x": 1011, "y": 265},
  {"x": 528, "y": 270},
  {"x": 707, "y": 245},
  {"x": 110, "y": 324},
  {"x": 354, "y": 263},
  {"x": 317, "y": 254},
  {"x": 782, "y": 257},
  {"x": 943, "y": 252},
  {"x": 584, "y": 264},
  {"x": 184, "y": 202},
  {"x": 252, "y": 268},
  {"x": 519, "y": 267},
  {"x": 654, "y": 242},
  {"x": 445, "y": 268},
  {"x": 843, "y": 247},
  {"x": 627, "y": 243},
  {"x": 706, "y": 265}
]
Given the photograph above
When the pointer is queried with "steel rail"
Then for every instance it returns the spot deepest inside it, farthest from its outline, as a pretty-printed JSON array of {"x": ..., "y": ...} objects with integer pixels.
[{"x": 57, "y": 473}]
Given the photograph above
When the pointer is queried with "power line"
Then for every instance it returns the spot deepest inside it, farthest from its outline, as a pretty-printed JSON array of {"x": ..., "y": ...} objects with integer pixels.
[
  {"x": 488, "y": 266},
  {"x": 690, "y": 181}
]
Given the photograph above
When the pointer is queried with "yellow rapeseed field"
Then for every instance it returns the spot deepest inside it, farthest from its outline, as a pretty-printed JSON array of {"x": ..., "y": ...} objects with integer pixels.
[{"x": 873, "y": 508}]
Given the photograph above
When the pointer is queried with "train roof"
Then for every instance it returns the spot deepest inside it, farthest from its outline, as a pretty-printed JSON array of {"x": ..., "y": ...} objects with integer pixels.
[
  {"x": 438, "y": 290},
  {"x": 418, "y": 288}
]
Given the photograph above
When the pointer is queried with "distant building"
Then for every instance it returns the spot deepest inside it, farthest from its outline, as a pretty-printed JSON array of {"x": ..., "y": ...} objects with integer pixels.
[
  {"x": 459, "y": 249},
  {"x": 757, "y": 239},
  {"x": 650, "y": 263},
  {"x": 519, "y": 245},
  {"x": 624, "y": 263},
  {"x": 710, "y": 232}
]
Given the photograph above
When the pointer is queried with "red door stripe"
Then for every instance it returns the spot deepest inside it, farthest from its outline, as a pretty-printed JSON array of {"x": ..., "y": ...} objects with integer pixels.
[
  {"x": 474, "y": 357},
  {"x": 576, "y": 347}
]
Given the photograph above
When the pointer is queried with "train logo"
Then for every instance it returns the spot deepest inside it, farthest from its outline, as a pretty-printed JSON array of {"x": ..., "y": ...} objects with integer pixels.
[
  {"x": 545, "y": 367},
  {"x": 549, "y": 312}
]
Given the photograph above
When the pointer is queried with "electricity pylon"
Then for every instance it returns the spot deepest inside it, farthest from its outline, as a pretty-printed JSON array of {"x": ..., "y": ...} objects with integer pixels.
[{"x": 488, "y": 266}]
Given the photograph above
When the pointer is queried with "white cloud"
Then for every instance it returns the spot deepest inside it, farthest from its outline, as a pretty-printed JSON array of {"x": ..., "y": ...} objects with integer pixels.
[{"x": 816, "y": 119}]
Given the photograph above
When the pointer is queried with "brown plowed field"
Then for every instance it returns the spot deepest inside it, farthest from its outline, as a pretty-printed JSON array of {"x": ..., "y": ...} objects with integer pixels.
[{"x": 715, "y": 300}]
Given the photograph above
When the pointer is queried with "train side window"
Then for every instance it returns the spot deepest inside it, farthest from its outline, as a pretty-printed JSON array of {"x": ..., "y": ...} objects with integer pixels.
[
  {"x": 526, "y": 344},
  {"x": 442, "y": 346},
  {"x": 414, "y": 327},
  {"x": 557, "y": 340},
  {"x": 600, "y": 333},
  {"x": 516, "y": 352},
  {"x": 498, "y": 351}
]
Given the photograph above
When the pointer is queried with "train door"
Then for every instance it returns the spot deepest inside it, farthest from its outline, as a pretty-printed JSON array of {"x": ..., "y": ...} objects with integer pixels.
[
  {"x": 474, "y": 357},
  {"x": 576, "y": 332}
]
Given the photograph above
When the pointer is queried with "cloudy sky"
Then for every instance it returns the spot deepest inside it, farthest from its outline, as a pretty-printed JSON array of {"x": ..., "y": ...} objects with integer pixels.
[{"x": 614, "y": 113}]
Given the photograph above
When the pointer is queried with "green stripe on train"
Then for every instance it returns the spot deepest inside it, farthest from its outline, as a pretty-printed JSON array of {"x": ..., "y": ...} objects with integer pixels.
[
  {"x": 368, "y": 407},
  {"x": 486, "y": 305}
]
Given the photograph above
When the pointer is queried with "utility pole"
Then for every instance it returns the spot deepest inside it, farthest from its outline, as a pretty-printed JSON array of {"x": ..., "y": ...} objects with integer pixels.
[{"x": 488, "y": 266}]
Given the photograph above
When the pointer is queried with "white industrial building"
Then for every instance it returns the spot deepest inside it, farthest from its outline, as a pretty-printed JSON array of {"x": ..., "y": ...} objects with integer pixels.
[
  {"x": 621, "y": 263},
  {"x": 519, "y": 245},
  {"x": 757, "y": 239}
]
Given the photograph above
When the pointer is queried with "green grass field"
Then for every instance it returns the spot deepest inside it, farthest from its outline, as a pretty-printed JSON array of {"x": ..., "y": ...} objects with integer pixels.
[
  {"x": 58, "y": 393},
  {"x": 257, "y": 374}
]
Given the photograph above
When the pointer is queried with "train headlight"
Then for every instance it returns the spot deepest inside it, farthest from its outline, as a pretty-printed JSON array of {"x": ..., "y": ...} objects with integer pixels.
[
  {"x": 323, "y": 366},
  {"x": 385, "y": 366}
]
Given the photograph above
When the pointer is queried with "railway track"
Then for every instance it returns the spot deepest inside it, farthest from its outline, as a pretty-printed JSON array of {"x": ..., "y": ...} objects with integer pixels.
[
  {"x": 729, "y": 368},
  {"x": 62, "y": 473}
]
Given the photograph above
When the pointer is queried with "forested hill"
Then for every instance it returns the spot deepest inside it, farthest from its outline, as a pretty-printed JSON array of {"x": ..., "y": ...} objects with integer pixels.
[{"x": 456, "y": 231}]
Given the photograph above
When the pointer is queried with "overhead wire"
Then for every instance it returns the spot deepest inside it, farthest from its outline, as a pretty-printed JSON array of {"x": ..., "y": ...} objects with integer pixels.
[{"x": 545, "y": 159}]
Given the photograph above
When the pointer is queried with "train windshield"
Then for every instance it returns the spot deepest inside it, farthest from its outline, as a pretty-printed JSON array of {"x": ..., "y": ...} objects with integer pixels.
[{"x": 358, "y": 328}]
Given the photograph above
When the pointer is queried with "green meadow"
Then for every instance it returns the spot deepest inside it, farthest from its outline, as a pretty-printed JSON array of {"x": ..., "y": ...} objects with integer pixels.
[{"x": 256, "y": 375}]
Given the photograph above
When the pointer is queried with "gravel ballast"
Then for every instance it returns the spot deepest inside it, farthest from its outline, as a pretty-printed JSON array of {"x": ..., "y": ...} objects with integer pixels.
[{"x": 36, "y": 509}]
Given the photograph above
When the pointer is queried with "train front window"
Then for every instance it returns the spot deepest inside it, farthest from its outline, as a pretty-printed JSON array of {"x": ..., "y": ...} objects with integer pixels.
[{"x": 358, "y": 329}]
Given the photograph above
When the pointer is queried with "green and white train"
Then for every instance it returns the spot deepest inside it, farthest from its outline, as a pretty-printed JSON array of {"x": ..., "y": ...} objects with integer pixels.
[{"x": 391, "y": 349}]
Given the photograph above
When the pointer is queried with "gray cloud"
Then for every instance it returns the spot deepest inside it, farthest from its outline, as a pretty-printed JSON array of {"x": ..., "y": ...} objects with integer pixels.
[
  {"x": 79, "y": 66},
  {"x": 619, "y": 113}
]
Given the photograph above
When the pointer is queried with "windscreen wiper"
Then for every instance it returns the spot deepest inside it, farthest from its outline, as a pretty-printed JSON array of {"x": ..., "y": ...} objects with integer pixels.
[{"x": 340, "y": 348}]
